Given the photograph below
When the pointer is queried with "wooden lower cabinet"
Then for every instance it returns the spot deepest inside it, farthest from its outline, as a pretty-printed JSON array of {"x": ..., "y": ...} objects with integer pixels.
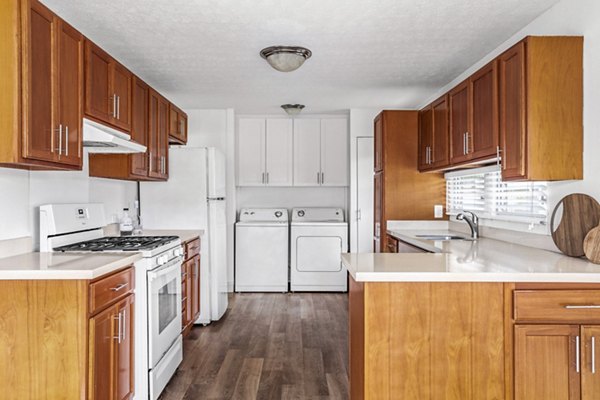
[
  {"x": 190, "y": 285},
  {"x": 427, "y": 341},
  {"x": 58, "y": 348}
]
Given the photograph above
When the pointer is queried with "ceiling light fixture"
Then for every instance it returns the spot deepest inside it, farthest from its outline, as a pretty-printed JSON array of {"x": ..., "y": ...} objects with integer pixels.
[
  {"x": 292, "y": 109},
  {"x": 285, "y": 58}
]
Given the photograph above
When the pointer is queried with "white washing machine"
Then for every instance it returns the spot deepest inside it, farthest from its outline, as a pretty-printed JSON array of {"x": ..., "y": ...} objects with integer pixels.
[
  {"x": 261, "y": 250},
  {"x": 318, "y": 238}
]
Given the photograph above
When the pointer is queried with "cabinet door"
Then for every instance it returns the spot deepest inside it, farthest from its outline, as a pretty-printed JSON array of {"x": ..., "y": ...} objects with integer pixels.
[
  {"x": 307, "y": 152},
  {"x": 459, "y": 123},
  {"x": 121, "y": 87},
  {"x": 425, "y": 138},
  {"x": 334, "y": 152},
  {"x": 154, "y": 163},
  {"x": 513, "y": 131},
  {"x": 279, "y": 162},
  {"x": 440, "y": 156},
  {"x": 183, "y": 123},
  {"x": 378, "y": 211},
  {"x": 590, "y": 362},
  {"x": 163, "y": 137},
  {"x": 103, "y": 338},
  {"x": 99, "y": 101},
  {"x": 70, "y": 93},
  {"x": 174, "y": 126},
  {"x": 378, "y": 145},
  {"x": 139, "y": 126},
  {"x": 545, "y": 362},
  {"x": 41, "y": 131},
  {"x": 483, "y": 133},
  {"x": 195, "y": 288},
  {"x": 124, "y": 361},
  {"x": 251, "y": 152}
]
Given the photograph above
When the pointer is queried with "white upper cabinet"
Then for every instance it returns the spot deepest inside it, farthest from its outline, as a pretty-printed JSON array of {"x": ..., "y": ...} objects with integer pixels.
[
  {"x": 286, "y": 152},
  {"x": 279, "y": 153},
  {"x": 251, "y": 152},
  {"x": 265, "y": 152},
  {"x": 334, "y": 152},
  {"x": 307, "y": 152}
]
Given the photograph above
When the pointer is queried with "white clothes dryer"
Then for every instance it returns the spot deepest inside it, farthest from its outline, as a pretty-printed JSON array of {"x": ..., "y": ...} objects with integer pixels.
[{"x": 319, "y": 236}]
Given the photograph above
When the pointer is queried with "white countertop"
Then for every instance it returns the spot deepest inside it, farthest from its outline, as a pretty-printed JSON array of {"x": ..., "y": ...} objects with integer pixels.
[
  {"x": 483, "y": 260},
  {"x": 64, "y": 265}
]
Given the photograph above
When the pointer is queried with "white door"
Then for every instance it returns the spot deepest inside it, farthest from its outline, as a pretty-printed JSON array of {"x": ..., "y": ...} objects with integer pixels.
[
  {"x": 251, "y": 152},
  {"x": 364, "y": 194},
  {"x": 307, "y": 152},
  {"x": 279, "y": 152},
  {"x": 334, "y": 152}
]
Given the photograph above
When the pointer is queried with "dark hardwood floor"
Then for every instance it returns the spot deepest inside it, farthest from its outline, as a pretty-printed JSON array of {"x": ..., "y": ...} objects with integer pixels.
[{"x": 268, "y": 346}]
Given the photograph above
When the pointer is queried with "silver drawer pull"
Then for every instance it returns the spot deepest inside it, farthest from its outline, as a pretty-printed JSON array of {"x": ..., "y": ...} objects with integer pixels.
[
  {"x": 577, "y": 367},
  {"x": 593, "y": 355},
  {"x": 119, "y": 287},
  {"x": 582, "y": 307}
]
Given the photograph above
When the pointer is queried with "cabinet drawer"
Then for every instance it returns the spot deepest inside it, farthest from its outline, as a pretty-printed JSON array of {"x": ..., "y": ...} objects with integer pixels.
[
  {"x": 109, "y": 289},
  {"x": 392, "y": 244},
  {"x": 192, "y": 248},
  {"x": 568, "y": 306}
]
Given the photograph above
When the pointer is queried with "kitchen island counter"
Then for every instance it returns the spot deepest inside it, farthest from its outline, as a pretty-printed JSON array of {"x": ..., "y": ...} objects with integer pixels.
[{"x": 483, "y": 260}]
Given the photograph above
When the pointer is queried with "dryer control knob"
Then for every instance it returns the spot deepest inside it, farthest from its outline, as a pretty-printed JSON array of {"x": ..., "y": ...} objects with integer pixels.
[
  {"x": 278, "y": 214},
  {"x": 301, "y": 213}
]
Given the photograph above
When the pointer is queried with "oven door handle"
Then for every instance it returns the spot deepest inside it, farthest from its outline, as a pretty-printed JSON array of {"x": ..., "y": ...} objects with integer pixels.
[{"x": 165, "y": 269}]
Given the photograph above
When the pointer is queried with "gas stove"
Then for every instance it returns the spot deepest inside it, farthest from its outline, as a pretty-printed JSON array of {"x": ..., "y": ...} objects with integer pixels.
[{"x": 119, "y": 243}]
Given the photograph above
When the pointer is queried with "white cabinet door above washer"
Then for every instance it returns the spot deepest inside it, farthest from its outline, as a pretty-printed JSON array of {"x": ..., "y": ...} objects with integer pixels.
[
  {"x": 279, "y": 152},
  {"x": 251, "y": 152},
  {"x": 334, "y": 152},
  {"x": 307, "y": 152}
]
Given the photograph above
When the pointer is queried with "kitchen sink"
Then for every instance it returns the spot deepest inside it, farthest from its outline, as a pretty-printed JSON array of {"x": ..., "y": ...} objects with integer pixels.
[{"x": 443, "y": 237}]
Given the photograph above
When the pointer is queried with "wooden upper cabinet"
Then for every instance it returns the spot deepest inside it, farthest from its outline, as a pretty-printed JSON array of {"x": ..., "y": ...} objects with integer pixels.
[
  {"x": 546, "y": 362},
  {"x": 99, "y": 101},
  {"x": 139, "y": 126},
  {"x": 158, "y": 135},
  {"x": 482, "y": 137},
  {"x": 70, "y": 93},
  {"x": 440, "y": 155},
  {"x": 541, "y": 109},
  {"x": 41, "y": 131},
  {"x": 121, "y": 88},
  {"x": 425, "y": 138},
  {"x": 177, "y": 125},
  {"x": 107, "y": 88},
  {"x": 459, "y": 122},
  {"x": 41, "y": 107},
  {"x": 378, "y": 143}
]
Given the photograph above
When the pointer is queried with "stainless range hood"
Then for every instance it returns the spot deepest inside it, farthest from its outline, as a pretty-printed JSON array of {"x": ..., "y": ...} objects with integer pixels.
[{"x": 98, "y": 138}]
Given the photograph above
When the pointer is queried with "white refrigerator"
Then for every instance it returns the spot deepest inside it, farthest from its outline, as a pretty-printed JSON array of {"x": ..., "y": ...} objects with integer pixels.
[{"x": 194, "y": 198}]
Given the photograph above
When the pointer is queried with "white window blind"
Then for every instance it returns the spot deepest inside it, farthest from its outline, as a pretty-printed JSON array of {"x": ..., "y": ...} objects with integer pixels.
[{"x": 483, "y": 192}]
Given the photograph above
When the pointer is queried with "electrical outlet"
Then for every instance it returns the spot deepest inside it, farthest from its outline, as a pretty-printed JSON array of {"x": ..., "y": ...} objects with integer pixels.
[{"x": 438, "y": 211}]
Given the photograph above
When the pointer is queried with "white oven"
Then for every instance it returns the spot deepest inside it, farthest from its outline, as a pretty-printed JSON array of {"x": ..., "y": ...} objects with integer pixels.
[{"x": 164, "y": 308}]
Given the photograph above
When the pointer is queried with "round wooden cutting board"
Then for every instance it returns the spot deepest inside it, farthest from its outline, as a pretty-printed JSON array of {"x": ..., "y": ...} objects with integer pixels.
[
  {"x": 591, "y": 245},
  {"x": 580, "y": 214}
]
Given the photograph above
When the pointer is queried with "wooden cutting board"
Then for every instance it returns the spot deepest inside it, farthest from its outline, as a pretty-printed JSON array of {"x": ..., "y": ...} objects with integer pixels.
[
  {"x": 580, "y": 214},
  {"x": 591, "y": 245}
]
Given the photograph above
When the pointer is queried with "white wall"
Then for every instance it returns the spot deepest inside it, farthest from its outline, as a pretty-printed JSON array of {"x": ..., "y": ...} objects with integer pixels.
[
  {"x": 361, "y": 124},
  {"x": 26, "y": 191},
  {"x": 567, "y": 18}
]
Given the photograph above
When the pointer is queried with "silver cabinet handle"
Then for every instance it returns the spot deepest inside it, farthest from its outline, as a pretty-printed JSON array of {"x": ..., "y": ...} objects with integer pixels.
[
  {"x": 467, "y": 142},
  {"x": 577, "y": 360},
  {"x": 464, "y": 143},
  {"x": 263, "y": 178},
  {"x": 150, "y": 161},
  {"x": 498, "y": 151},
  {"x": 124, "y": 324},
  {"x": 67, "y": 140},
  {"x": 582, "y": 307},
  {"x": 322, "y": 178},
  {"x": 593, "y": 355},
  {"x": 427, "y": 155},
  {"x": 118, "y": 337},
  {"x": 118, "y": 107},
  {"x": 119, "y": 287},
  {"x": 60, "y": 128},
  {"x": 114, "y": 105}
]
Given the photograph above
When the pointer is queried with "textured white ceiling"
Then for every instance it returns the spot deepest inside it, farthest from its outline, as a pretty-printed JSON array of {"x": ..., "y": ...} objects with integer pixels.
[{"x": 385, "y": 53}]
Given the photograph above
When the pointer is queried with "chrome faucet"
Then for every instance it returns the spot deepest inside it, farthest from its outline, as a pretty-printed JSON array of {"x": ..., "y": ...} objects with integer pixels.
[{"x": 473, "y": 222}]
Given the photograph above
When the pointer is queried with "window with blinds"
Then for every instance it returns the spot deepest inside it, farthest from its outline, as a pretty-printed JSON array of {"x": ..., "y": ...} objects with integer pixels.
[{"x": 483, "y": 192}]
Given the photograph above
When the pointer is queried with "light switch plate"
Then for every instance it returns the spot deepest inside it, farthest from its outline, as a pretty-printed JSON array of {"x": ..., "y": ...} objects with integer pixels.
[{"x": 438, "y": 211}]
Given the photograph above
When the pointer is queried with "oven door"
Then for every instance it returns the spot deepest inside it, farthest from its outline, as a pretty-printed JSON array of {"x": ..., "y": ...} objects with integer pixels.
[{"x": 164, "y": 309}]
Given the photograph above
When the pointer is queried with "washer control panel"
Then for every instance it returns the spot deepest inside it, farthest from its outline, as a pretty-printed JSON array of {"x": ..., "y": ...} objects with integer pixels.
[{"x": 263, "y": 215}]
